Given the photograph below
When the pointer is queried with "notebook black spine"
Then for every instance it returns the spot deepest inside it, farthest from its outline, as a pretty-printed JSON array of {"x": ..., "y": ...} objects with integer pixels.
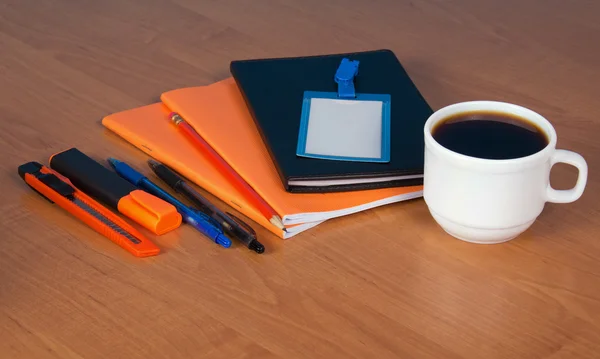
[
  {"x": 356, "y": 187},
  {"x": 283, "y": 178}
]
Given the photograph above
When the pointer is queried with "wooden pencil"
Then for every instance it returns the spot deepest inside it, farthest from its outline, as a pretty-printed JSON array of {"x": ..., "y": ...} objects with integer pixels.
[{"x": 224, "y": 168}]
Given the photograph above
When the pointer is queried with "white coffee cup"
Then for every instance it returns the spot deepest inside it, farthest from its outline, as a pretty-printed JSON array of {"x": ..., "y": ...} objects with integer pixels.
[{"x": 492, "y": 201}]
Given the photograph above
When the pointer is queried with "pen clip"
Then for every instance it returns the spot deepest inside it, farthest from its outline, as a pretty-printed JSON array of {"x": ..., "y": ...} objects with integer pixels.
[{"x": 242, "y": 223}]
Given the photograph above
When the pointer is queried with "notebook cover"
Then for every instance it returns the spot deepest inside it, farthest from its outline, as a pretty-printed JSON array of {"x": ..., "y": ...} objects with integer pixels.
[
  {"x": 219, "y": 114},
  {"x": 273, "y": 90}
]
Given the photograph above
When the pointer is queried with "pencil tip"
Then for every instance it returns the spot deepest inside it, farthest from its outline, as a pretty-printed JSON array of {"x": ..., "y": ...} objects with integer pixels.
[{"x": 276, "y": 221}]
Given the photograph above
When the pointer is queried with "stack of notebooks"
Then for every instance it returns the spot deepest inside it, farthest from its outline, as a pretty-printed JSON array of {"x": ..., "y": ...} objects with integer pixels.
[{"x": 252, "y": 120}]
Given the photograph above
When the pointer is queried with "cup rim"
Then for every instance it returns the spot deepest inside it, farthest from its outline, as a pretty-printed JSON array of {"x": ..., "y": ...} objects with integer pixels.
[{"x": 496, "y": 106}]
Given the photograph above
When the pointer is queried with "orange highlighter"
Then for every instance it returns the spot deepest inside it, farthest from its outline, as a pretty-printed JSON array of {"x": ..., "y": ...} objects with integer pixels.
[
  {"x": 59, "y": 190},
  {"x": 109, "y": 188}
]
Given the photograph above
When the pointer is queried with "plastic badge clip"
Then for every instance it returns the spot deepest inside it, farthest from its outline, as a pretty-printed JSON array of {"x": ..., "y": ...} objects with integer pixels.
[{"x": 344, "y": 77}]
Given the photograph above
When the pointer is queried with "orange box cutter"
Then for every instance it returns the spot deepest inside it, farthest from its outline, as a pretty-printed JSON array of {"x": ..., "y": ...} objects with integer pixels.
[{"x": 58, "y": 189}]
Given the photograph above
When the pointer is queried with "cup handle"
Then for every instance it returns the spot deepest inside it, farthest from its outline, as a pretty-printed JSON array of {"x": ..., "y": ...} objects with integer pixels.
[{"x": 573, "y": 194}]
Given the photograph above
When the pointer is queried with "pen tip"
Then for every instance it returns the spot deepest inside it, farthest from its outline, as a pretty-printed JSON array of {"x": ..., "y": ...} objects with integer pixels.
[
  {"x": 256, "y": 246},
  {"x": 223, "y": 241}
]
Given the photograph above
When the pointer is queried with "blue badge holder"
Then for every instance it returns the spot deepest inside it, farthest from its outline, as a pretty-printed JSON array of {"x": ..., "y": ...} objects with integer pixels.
[{"x": 345, "y": 125}]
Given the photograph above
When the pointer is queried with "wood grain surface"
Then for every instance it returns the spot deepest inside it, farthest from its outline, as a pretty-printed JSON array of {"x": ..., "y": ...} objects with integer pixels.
[{"x": 386, "y": 283}]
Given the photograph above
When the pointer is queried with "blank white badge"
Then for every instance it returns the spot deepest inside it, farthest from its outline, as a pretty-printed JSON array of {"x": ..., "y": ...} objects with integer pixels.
[{"x": 354, "y": 129}]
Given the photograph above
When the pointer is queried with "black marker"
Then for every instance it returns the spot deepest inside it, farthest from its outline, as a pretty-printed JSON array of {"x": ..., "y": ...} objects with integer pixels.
[{"x": 233, "y": 225}]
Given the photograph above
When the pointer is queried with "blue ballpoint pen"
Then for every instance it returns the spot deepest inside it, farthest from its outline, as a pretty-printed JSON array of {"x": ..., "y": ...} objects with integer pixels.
[{"x": 196, "y": 219}]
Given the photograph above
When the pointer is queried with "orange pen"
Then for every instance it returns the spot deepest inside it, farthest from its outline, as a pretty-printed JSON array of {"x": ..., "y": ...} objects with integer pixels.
[{"x": 59, "y": 190}]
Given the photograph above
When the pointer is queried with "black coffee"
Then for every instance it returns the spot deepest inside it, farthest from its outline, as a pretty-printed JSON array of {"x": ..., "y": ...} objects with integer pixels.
[{"x": 490, "y": 135}]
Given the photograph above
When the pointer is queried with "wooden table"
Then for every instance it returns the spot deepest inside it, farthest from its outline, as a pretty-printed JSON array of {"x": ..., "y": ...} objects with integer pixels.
[{"x": 386, "y": 283}]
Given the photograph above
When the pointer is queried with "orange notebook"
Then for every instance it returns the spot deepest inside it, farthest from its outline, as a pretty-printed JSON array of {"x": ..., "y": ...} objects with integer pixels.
[{"x": 218, "y": 113}]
